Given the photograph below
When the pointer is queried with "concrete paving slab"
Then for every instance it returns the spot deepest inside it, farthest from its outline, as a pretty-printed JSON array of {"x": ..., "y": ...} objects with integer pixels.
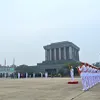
[{"x": 45, "y": 89}]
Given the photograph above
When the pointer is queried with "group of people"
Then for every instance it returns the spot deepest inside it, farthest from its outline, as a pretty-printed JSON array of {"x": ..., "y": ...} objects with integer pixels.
[
  {"x": 89, "y": 74},
  {"x": 34, "y": 75}
]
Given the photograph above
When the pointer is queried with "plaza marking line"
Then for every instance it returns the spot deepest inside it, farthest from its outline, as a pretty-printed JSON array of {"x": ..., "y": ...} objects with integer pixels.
[{"x": 78, "y": 95}]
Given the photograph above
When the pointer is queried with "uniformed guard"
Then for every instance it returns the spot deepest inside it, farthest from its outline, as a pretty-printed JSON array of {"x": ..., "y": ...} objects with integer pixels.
[
  {"x": 46, "y": 75},
  {"x": 81, "y": 70},
  {"x": 18, "y": 75},
  {"x": 72, "y": 73},
  {"x": 90, "y": 75},
  {"x": 26, "y": 75}
]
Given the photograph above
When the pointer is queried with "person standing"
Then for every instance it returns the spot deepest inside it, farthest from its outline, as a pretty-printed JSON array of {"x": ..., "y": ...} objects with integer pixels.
[
  {"x": 18, "y": 75},
  {"x": 72, "y": 73},
  {"x": 81, "y": 70},
  {"x": 33, "y": 75},
  {"x": 87, "y": 75},
  {"x": 46, "y": 75},
  {"x": 26, "y": 75}
]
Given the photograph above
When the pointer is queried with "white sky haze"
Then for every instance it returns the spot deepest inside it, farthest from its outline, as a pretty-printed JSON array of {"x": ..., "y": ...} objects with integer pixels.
[{"x": 27, "y": 25}]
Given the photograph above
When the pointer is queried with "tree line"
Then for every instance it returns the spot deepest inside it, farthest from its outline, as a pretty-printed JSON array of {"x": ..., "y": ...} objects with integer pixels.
[{"x": 64, "y": 71}]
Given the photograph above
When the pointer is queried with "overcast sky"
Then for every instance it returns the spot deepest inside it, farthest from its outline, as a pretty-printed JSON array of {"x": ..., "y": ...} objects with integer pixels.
[{"x": 27, "y": 25}]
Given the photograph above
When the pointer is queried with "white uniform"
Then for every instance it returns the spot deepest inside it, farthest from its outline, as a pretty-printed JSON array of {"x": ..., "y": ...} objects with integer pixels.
[
  {"x": 26, "y": 75},
  {"x": 83, "y": 76},
  {"x": 46, "y": 75},
  {"x": 5, "y": 75},
  {"x": 18, "y": 75},
  {"x": 41, "y": 75},
  {"x": 34, "y": 75},
  {"x": 99, "y": 75},
  {"x": 90, "y": 76},
  {"x": 87, "y": 77},
  {"x": 92, "y": 79},
  {"x": 72, "y": 74}
]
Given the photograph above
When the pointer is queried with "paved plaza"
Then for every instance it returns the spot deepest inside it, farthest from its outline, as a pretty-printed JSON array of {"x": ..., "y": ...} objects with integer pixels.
[{"x": 45, "y": 89}]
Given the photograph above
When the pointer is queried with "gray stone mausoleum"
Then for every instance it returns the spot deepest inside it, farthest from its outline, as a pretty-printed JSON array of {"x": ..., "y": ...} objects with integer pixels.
[{"x": 56, "y": 55}]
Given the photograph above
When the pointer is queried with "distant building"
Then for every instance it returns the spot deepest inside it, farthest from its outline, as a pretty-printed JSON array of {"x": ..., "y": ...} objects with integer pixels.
[
  {"x": 6, "y": 71},
  {"x": 56, "y": 55}
]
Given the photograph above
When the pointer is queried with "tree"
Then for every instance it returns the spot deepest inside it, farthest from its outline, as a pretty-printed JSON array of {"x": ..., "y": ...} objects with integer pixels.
[
  {"x": 75, "y": 65},
  {"x": 97, "y": 64},
  {"x": 64, "y": 71},
  {"x": 24, "y": 69}
]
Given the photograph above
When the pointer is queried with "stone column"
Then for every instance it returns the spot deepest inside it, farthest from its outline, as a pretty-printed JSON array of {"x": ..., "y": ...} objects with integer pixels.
[
  {"x": 50, "y": 55},
  {"x": 59, "y": 53},
  {"x": 5, "y": 75},
  {"x": 55, "y": 54},
  {"x": 78, "y": 55},
  {"x": 70, "y": 53},
  {"x": 46, "y": 55},
  {"x": 75, "y": 54},
  {"x": 64, "y": 53}
]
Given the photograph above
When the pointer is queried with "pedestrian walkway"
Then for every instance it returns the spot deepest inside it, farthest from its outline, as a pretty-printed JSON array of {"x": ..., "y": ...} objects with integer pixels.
[
  {"x": 46, "y": 89},
  {"x": 92, "y": 94}
]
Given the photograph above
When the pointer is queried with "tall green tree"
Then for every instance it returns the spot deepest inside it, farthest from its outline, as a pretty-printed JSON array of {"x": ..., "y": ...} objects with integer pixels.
[
  {"x": 75, "y": 65},
  {"x": 64, "y": 71},
  {"x": 97, "y": 64},
  {"x": 24, "y": 69}
]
